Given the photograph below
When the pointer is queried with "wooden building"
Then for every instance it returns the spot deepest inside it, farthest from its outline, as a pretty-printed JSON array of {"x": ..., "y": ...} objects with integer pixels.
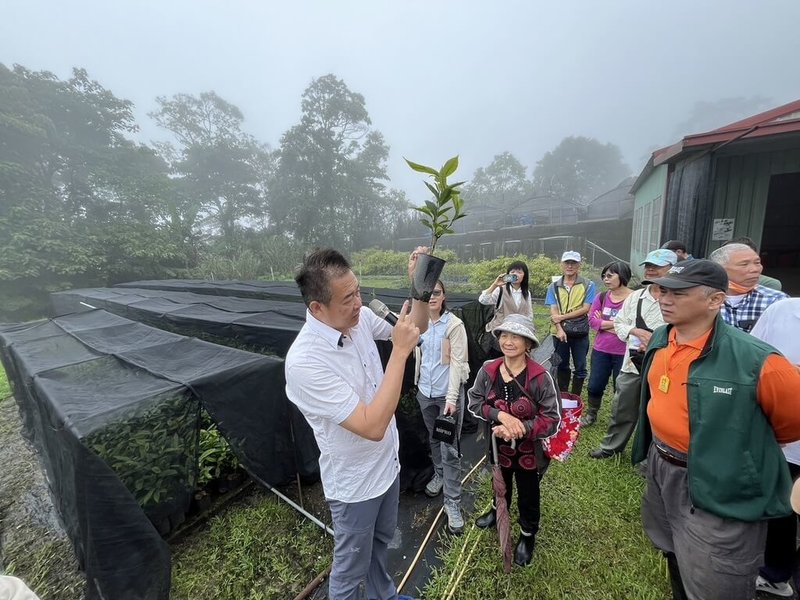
[{"x": 742, "y": 179}]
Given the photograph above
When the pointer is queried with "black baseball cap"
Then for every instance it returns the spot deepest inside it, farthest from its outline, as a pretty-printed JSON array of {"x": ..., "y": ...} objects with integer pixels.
[{"x": 693, "y": 273}]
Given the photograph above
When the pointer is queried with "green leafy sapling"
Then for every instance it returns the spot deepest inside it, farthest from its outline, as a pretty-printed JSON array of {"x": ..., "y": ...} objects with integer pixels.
[{"x": 447, "y": 206}]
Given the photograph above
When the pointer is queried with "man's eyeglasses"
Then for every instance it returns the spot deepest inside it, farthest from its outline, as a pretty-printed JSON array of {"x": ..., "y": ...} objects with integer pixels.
[{"x": 437, "y": 293}]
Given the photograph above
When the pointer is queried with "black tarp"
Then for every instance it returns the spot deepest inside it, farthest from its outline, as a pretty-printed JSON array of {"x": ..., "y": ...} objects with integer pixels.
[
  {"x": 266, "y": 326},
  {"x": 689, "y": 203},
  {"x": 464, "y": 306},
  {"x": 273, "y": 330},
  {"x": 112, "y": 407}
]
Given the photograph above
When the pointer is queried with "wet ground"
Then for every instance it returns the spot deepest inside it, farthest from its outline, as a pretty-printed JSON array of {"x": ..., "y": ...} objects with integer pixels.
[{"x": 30, "y": 532}]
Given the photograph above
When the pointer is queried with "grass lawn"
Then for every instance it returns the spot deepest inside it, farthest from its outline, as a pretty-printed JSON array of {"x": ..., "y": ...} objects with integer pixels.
[
  {"x": 591, "y": 544},
  {"x": 5, "y": 388},
  {"x": 257, "y": 549}
]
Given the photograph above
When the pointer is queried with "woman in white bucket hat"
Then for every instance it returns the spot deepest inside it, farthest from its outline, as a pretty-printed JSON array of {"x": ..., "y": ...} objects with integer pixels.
[{"x": 517, "y": 397}]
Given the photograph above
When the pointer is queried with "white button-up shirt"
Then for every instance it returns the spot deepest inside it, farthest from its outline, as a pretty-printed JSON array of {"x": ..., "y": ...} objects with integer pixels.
[
  {"x": 626, "y": 320},
  {"x": 326, "y": 381}
]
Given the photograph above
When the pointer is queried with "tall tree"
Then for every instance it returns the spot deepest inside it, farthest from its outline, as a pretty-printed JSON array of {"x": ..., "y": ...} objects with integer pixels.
[
  {"x": 503, "y": 182},
  {"x": 77, "y": 198},
  {"x": 579, "y": 169},
  {"x": 329, "y": 183},
  {"x": 221, "y": 166}
]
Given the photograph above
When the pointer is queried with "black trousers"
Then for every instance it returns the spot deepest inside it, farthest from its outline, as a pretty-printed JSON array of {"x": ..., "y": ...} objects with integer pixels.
[
  {"x": 780, "y": 553},
  {"x": 528, "y": 497}
]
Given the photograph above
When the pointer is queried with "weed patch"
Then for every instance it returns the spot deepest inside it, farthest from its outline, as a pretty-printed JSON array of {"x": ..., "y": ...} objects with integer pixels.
[{"x": 258, "y": 549}]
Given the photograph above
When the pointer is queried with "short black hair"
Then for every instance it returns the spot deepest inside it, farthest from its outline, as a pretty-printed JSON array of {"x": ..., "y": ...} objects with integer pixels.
[
  {"x": 314, "y": 276},
  {"x": 622, "y": 269},
  {"x": 675, "y": 245}
]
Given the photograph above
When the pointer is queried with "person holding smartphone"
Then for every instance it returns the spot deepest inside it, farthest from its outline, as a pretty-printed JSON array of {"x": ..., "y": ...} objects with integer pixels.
[{"x": 509, "y": 295}]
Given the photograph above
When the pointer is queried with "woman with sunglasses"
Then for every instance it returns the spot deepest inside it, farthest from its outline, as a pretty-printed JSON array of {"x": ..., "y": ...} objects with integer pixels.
[
  {"x": 608, "y": 350},
  {"x": 441, "y": 371}
]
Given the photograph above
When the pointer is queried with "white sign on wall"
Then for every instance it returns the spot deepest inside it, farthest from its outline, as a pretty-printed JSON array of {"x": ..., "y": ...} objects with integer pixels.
[{"x": 723, "y": 230}]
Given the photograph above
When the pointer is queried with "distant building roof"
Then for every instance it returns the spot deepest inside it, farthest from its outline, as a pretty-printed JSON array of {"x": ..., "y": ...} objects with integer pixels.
[
  {"x": 622, "y": 190},
  {"x": 776, "y": 121}
]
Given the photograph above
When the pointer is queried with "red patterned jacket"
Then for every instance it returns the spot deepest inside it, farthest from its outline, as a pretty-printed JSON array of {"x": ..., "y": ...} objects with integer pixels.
[{"x": 538, "y": 409}]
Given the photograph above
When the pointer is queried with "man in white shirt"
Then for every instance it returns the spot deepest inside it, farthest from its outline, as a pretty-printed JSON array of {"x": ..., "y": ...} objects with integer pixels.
[
  {"x": 779, "y": 326},
  {"x": 334, "y": 376},
  {"x": 639, "y": 316}
]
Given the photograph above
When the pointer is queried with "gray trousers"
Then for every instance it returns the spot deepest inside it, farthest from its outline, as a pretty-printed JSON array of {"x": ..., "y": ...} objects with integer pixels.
[
  {"x": 446, "y": 461},
  {"x": 361, "y": 535},
  {"x": 718, "y": 558},
  {"x": 624, "y": 412}
]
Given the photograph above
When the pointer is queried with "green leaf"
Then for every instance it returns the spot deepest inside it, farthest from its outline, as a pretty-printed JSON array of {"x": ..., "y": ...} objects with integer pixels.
[
  {"x": 449, "y": 167},
  {"x": 427, "y": 223},
  {"x": 421, "y": 168},
  {"x": 433, "y": 190}
]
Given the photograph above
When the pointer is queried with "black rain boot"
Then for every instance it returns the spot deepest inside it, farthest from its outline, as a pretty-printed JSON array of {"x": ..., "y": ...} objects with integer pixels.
[
  {"x": 592, "y": 407},
  {"x": 577, "y": 385},
  {"x": 563, "y": 380},
  {"x": 488, "y": 519},
  {"x": 523, "y": 553}
]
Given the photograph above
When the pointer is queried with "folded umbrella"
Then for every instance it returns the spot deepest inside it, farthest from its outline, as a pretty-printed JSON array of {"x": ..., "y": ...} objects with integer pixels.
[{"x": 501, "y": 508}]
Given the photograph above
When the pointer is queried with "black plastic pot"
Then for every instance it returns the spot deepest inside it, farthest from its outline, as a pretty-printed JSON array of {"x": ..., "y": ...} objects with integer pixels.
[
  {"x": 201, "y": 501},
  {"x": 427, "y": 272}
]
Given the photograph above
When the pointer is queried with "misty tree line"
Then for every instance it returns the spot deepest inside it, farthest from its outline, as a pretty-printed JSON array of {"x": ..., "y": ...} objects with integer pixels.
[{"x": 81, "y": 204}]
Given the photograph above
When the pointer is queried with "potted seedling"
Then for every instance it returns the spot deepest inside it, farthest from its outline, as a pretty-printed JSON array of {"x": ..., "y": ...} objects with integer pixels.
[{"x": 438, "y": 215}]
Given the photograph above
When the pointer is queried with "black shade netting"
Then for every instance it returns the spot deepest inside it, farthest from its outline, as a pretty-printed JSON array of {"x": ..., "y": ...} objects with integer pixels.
[
  {"x": 268, "y": 325},
  {"x": 208, "y": 310},
  {"x": 113, "y": 409}
]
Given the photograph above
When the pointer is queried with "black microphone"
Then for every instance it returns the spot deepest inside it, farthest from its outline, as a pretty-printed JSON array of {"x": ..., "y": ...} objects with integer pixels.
[{"x": 380, "y": 309}]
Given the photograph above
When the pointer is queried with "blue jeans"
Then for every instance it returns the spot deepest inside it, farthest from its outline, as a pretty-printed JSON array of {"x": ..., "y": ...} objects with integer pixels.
[
  {"x": 604, "y": 365},
  {"x": 579, "y": 347}
]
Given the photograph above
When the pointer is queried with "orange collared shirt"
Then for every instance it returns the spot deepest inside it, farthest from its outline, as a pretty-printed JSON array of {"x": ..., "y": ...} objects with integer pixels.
[{"x": 669, "y": 411}]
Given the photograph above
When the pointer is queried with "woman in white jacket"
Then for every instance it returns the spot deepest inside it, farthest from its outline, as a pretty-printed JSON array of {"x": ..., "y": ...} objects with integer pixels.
[{"x": 442, "y": 370}]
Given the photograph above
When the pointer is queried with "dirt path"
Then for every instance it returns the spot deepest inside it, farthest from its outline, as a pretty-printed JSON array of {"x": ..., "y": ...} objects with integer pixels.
[{"x": 33, "y": 545}]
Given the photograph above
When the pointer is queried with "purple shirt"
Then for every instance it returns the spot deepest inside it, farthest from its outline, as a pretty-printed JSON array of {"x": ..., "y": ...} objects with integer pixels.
[{"x": 606, "y": 340}]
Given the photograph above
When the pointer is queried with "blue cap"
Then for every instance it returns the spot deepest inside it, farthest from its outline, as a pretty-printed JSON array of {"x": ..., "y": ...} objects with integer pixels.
[{"x": 660, "y": 257}]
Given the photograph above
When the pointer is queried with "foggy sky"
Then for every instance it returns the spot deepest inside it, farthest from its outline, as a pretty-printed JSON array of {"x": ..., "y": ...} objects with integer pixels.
[{"x": 439, "y": 77}]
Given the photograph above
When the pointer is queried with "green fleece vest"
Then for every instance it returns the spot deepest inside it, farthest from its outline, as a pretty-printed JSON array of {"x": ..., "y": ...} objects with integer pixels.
[{"x": 735, "y": 468}]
